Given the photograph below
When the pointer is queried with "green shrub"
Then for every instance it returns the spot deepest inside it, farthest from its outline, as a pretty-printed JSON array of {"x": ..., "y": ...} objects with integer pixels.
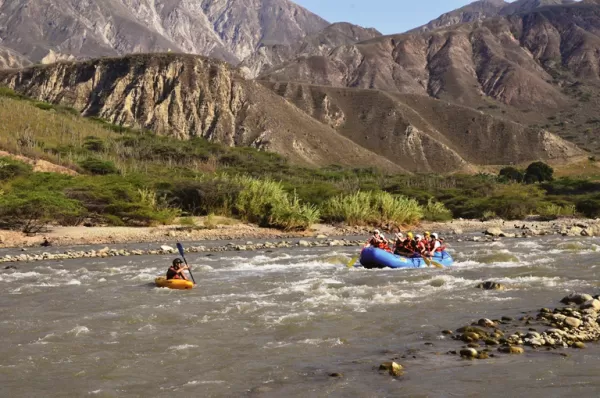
[
  {"x": 98, "y": 166},
  {"x": 207, "y": 195},
  {"x": 188, "y": 222},
  {"x": 30, "y": 211},
  {"x": 511, "y": 174},
  {"x": 372, "y": 208},
  {"x": 553, "y": 211},
  {"x": 10, "y": 168},
  {"x": 436, "y": 211},
  {"x": 94, "y": 144},
  {"x": 513, "y": 201},
  {"x": 538, "y": 172}
]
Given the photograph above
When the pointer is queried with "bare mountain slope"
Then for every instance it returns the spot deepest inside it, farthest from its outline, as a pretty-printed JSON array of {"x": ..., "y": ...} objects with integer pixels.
[
  {"x": 319, "y": 43},
  {"x": 421, "y": 133},
  {"x": 11, "y": 59},
  {"x": 185, "y": 96},
  {"x": 484, "y": 9},
  {"x": 229, "y": 30},
  {"x": 513, "y": 60}
]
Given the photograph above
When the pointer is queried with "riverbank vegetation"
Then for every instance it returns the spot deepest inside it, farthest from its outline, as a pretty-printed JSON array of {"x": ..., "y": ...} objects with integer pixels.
[{"x": 134, "y": 177}]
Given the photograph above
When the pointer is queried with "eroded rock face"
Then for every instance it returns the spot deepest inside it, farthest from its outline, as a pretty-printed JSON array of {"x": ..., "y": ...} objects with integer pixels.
[
  {"x": 191, "y": 96},
  {"x": 230, "y": 30},
  {"x": 511, "y": 59},
  {"x": 11, "y": 59}
]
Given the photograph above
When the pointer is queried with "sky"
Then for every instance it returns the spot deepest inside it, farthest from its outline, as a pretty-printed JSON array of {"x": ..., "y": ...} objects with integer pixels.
[{"x": 387, "y": 16}]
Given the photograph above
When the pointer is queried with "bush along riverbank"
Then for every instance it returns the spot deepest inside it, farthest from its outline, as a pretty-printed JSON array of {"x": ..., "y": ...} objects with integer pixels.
[
  {"x": 97, "y": 173},
  {"x": 571, "y": 325}
]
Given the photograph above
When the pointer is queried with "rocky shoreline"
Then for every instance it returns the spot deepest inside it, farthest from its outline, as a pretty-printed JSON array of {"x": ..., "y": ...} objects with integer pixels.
[
  {"x": 571, "y": 325},
  {"x": 164, "y": 250}
]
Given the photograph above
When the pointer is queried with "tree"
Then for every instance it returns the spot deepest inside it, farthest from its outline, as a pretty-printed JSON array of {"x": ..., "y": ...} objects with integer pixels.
[
  {"x": 30, "y": 211},
  {"x": 512, "y": 174},
  {"x": 538, "y": 172}
]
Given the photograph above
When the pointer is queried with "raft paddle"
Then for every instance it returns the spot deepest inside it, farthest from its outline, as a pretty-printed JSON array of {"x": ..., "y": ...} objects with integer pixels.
[
  {"x": 430, "y": 262},
  {"x": 351, "y": 263},
  {"x": 182, "y": 253}
]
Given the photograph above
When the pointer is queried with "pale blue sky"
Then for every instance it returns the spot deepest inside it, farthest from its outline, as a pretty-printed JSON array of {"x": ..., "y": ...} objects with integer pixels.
[{"x": 387, "y": 16}]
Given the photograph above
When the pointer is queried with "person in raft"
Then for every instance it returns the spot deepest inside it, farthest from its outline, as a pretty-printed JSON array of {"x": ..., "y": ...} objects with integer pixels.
[
  {"x": 176, "y": 270},
  {"x": 435, "y": 245},
  {"x": 403, "y": 246},
  {"x": 379, "y": 241}
]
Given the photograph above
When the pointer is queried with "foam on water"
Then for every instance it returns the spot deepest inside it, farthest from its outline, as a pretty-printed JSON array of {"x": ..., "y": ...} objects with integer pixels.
[{"x": 182, "y": 347}]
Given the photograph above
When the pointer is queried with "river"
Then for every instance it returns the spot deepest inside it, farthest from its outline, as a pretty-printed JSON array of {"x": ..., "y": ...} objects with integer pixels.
[{"x": 279, "y": 323}]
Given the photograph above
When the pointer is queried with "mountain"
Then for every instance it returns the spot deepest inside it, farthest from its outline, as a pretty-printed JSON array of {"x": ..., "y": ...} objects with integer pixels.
[
  {"x": 185, "y": 96},
  {"x": 485, "y": 9},
  {"x": 11, "y": 59},
  {"x": 319, "y": 43},
  {"x": 225, "y": 29}
]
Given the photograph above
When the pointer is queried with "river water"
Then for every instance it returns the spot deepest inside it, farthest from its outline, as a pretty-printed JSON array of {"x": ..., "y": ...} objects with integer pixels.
[{"x": 278, "y": 323}]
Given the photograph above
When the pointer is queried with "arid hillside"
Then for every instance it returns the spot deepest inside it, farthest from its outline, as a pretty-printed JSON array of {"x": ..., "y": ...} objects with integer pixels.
[{"x": 186, "y": 96}]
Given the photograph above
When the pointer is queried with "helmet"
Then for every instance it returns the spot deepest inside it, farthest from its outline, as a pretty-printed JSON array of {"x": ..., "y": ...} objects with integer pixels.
[
  {"x": 399, "y": 235},
  {"x": 410, "y": 235},
  {"x": 427, "y": 233},
  {"x": 376, "y": 232},
  {"x": 177, "y": 261},
  {"x": 435, "y": 236},
  {"x": 418, "y": 237}
]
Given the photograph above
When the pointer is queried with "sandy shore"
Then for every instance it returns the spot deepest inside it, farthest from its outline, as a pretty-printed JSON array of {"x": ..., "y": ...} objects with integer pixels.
[{"x": 229, "y": 230}]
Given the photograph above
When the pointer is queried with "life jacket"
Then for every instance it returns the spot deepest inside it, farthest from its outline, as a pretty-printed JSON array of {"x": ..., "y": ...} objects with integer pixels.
[
  {"x": 432, "y": 247},
  {"x": 173, "y": 274},
  {"x": 421, "y": 246}
]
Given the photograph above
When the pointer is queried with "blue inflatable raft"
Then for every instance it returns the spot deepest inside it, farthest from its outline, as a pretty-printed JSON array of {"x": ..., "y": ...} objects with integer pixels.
[{"x": 372, "y": 257}]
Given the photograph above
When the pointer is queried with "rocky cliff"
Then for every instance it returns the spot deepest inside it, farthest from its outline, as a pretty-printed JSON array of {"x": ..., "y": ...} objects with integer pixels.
[
  {"x": 229, "y": 30},
  {"x": 186, "y": 96}
]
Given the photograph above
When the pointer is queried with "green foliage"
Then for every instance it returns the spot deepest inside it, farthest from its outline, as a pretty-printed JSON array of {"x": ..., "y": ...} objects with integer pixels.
[
  {"x": 538, "y": 172},
  {"x": 436, "y": 211},
  {"x": 266, "y": 203},
  {"x": 10, "y": 168},
  {"x": 372, "y": 208},
  {"x": 31, "y": 210},
  {"x": 513, "y": 201},
  {"x": 98, "y": 167},
  {"x": 94, "y": 144},
  {"x": 188, "y": 222},
  {"x": 553, "y": 211},
  {"x": 511, "y": 174}
]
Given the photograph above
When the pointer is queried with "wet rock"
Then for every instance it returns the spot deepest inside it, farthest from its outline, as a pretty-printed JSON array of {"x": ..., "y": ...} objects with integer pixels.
[
  {"x": 572, "y": 322},
  {"x": 486, "y": 323},
  {"x": 591, "y": 304},
  {"x": 447, "y": 332},
  {"x": 392, "y": 368},
  {"x": 489, "y": 285},
  {"x": 473, "y": 345},
  {"x": 578, "y": 344},
  {"x": 494, "y": 232},
  {"x": 483, "y": 355},
  {"x": 10, "y": 267},
  {"x": 507, "y": 318},
  {"x": 335, "y": 374},
  {"x": 491, "y": 342},
  {"x": 303, "y": 243},
  {"x": 321, "y": 236},
  {"x": 588, "y": 232},
  {"x": 511, "y": 350},
  {"x": 576, "y": 298},
  {"x": 468, "y": 353}
]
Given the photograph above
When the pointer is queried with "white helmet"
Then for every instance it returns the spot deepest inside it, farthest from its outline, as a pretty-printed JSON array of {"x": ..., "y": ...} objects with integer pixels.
[
  {"x": 376, "y": 232},
  {"x": 435, "y": 235},
  {"x": 399, "y": 235},
  {"x": 418, "y": 237}
]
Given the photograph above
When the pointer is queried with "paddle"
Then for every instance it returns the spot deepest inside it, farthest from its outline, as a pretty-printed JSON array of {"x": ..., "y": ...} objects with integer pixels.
[
  {"x": 353, "y": 261},
  {"x": 182, "y": 253},
  {"x": 430, "y": 262}
]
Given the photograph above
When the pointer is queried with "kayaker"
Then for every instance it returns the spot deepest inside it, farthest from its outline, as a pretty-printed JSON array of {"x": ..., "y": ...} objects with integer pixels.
[{"x": 176, "y": 270}]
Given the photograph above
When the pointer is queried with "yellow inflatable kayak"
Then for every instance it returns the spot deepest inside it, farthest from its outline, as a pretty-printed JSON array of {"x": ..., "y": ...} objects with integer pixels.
[{"x": 178, "y": 284}]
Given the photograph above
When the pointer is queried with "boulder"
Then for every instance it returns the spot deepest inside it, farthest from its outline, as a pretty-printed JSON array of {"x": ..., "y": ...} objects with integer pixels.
[
  {"x": 468, "y": 353},
  {"x": 511, "y": 349},
  {"x": 576, "y": 298},
  {"x": 303, "y": 243},
  {"x": 573, "y": 322},
  {"x": 392, "y": 368},
  {"x": 593, "y": 304},
  {"x": 486, "y": 323},
  {"x": 167, "y": 249},
  {"x": 489, "y": 285},
  {"x": 494, "y": 232}
]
